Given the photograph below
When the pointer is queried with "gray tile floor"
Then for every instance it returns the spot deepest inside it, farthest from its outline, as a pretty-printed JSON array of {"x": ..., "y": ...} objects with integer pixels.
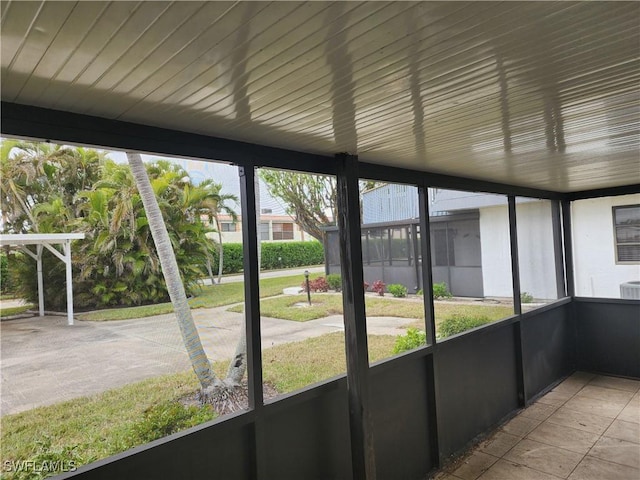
[{"x": 587, "y": 428}]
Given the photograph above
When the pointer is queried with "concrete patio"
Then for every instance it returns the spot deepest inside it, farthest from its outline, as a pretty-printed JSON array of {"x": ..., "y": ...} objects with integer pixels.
[{"x": 586, "y": 428}]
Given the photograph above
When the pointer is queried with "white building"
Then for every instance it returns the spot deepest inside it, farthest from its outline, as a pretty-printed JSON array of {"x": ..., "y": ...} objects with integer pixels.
[
  {"x": 275, "y": 223},
  {"x": 273, "y": 228},
  {"x": 608, "y": 256},
  {"x": 604, "y": 257}
]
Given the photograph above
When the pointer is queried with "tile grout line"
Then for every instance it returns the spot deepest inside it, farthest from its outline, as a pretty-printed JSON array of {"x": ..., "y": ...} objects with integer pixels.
[
  {"x": 554, "y": 446},
  {"x": 600, "y": 436},
  {"x": 557, "y": 406}
]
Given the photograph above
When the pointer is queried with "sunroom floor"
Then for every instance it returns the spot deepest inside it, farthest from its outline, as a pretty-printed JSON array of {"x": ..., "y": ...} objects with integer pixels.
[{"x": 588, "y": 427}]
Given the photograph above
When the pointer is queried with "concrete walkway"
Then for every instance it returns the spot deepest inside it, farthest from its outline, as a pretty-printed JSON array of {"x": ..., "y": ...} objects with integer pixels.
[
  {"x": 44, "y": 361},
  {"x": 269, "y": 274}
]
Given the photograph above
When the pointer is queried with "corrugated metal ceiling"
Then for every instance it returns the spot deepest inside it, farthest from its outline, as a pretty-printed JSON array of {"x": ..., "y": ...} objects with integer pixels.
[{"x": 539, "y": 94}]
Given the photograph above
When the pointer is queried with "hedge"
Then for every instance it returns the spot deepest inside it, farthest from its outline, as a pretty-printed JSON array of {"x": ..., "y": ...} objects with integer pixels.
[
  {"x": 291, "y": 254},
  {"x": 233, "y": 259},
  {"x": 274, "y": 256},
  {"x": 7, "y": 275},
  {"x": 4, "y": 273}
]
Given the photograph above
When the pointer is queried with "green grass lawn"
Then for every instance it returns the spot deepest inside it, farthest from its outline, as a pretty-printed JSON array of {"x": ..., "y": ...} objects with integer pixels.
[
  {"x": 9, "y": 311},
  {"x": 90, "y": 428},
  {"x": 208, "y": 296},
  {"x": 325, "y": 304},
  {"x": 97, "y": 426}
]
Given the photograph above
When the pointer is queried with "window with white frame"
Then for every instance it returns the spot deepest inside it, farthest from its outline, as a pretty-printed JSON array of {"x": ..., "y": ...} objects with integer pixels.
[{"x": 626, "y": 226}]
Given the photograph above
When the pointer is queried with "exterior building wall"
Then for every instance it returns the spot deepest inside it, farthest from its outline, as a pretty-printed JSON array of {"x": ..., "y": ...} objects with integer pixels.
[
  {"x": 496, "y": 251},
  {"x": 536, "y": 254},
  {"x": 236, "y": 236},
  {"x": 535, "y": 250},
  {"x": 597, "y": 274},
  {"x": 390, "y": 202}
]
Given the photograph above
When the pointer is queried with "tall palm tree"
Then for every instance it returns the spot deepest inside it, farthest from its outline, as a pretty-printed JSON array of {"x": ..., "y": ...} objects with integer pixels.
[
  {"x": 197, "y": 356},
  {"x": 17, "y": 169},
  {"x": 216, "y": 205}
]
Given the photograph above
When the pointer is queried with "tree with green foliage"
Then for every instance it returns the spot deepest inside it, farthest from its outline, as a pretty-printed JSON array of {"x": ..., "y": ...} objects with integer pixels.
[
  {"x": 309, "y": 199},
  {"x": 216, "y": 204},
  {"x": 17, "y": 172},
  {"x": 141, "y": 222},
  {"x": 69, "y": 189},
  {"x": 36, "y": 173}
]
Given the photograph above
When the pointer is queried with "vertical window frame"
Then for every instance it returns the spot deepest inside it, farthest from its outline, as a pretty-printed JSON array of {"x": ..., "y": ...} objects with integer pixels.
[{"x": 616, "y": 243}]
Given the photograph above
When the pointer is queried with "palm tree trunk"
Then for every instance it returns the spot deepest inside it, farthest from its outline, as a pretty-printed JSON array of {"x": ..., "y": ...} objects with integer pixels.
[
  {"x": 238, "y": 364},
  {"x": 190, "y": 337},
  {"x": 210, "y": 271}
]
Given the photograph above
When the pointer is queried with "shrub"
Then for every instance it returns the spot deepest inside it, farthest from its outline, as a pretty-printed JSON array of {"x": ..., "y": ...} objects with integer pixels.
[
  {"x": 318, "y": 285},
  {"x": 526, "y": 297},
  {"x": 378, "y": 287},
  {"x": 397, "y": 290},
  {"x": 420, "y": 292},
  {"x": 335, "y": 281},
  {"x": 366, "y": 286},
  {"x": 460, "y": 323},
  {"x": 440, "y": 290},
  {"x": 413, "y": 339}
]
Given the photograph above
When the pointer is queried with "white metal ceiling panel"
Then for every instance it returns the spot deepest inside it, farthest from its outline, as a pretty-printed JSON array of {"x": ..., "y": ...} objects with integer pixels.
[{"x": 540, "y": 94}]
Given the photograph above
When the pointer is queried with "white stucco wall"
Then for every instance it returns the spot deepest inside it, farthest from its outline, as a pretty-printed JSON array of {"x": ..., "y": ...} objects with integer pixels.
[
  {"x": 496, "y": 252},
  {"x": 596, "y": 271},
  {"x": 535, "y": 249}
]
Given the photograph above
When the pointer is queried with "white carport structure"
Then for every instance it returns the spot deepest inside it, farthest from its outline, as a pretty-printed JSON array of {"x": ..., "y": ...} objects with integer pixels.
[{"x": 48, "y": 241}]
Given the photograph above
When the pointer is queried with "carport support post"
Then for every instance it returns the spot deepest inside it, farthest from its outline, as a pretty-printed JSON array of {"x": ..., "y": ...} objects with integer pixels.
[
  {"x": 361, "y": 427},
  {"x": 40, "y": 280},
  {"x": 67, "y": 261}
]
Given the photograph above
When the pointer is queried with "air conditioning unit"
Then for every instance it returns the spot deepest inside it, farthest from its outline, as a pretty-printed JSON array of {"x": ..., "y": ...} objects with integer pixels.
[{"x": 630, "y": 290}]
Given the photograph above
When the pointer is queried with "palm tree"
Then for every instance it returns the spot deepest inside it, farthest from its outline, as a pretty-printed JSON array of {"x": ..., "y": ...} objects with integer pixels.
[
  {"x": 17, "y": 170},
  {"x": 215, "y": 205},
  {"x": 32, "y": 173},
  {"x": 195, "y": 351}
]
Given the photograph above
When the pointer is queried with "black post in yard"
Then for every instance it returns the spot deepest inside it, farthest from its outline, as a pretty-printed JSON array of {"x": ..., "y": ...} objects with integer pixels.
[{"x": 306, "y": 279}]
